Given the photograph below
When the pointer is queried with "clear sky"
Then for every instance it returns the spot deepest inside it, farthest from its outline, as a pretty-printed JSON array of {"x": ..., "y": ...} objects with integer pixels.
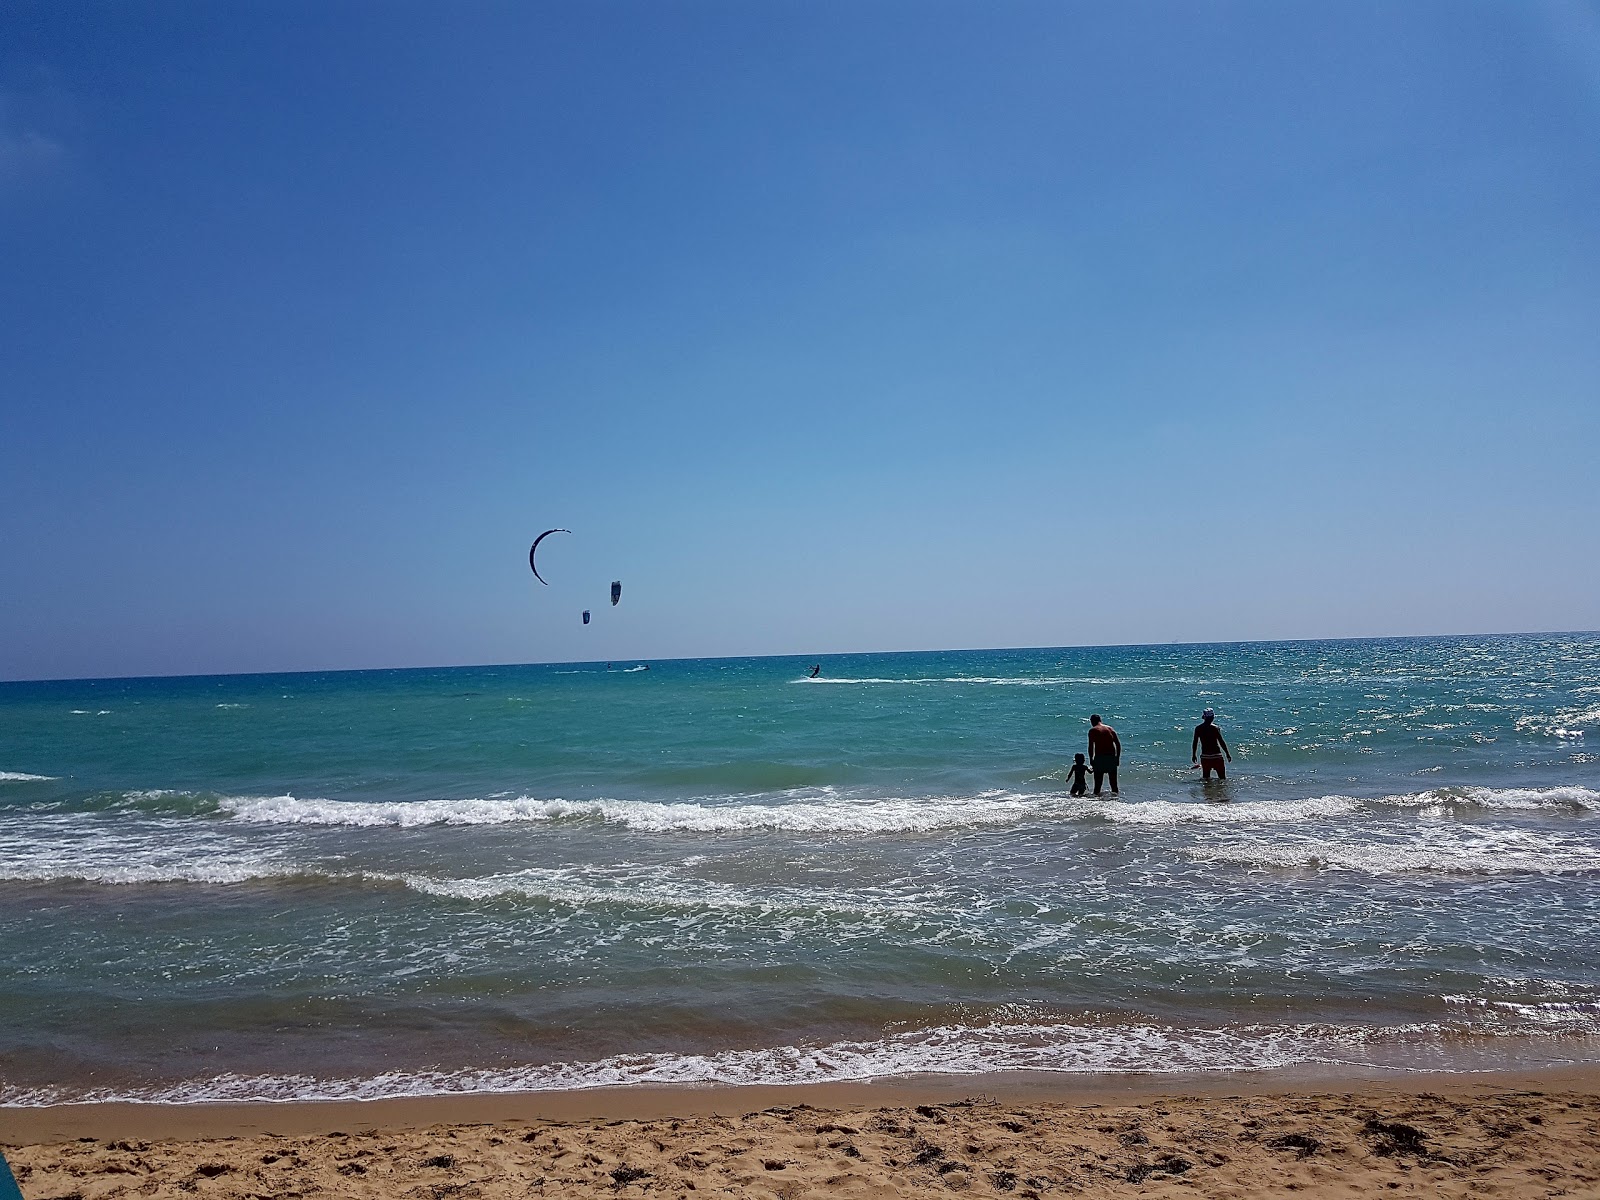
[{"x": 824, "y": 326}]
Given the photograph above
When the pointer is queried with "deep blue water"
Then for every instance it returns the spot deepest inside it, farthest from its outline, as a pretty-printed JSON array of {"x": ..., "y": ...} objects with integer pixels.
[{"x": 553, "y": 876}]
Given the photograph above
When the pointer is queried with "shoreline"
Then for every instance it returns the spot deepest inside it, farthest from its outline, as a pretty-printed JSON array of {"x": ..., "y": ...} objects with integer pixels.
[{"x": 157, "y": 1121}]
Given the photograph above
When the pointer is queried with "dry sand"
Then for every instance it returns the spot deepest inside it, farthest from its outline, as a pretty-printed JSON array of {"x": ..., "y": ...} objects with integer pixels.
[{"x": 1458, "y": 1138}]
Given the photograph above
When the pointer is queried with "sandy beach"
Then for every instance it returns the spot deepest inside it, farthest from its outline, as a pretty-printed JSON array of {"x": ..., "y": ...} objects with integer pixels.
[{"x": 1448, "y": 1135}]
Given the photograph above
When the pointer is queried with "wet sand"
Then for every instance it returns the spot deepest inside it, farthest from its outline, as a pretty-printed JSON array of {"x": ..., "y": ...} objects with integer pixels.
[{"x": 1478, "y": 1135}]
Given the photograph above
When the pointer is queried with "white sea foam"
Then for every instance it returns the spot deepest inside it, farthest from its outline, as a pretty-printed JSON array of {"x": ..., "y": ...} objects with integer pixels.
[
  {"x": 1571, "y": 799},
  {"x": 23, "y": 777},
  {"x": 1565, "y": 1016},
  {"x": 1167, "y": 812},
  {"x": 1567, "y": 723},
  {"x": 1436, "y": 849},
  {"x": 55, "y": 856},
  {"x": 824, "y": 810},
  {"x": 217, "y": 871},
  {"x": 1437, "y": 802},
  {"x": 829, "y": 813},
  {"x": 54, "y": 850},
  {"x": 947, "y": 1050},
  {"x": 651, "y": 887}
]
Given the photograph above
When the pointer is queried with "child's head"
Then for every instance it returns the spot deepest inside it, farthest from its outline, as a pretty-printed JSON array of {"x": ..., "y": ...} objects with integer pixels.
[{"x": 1077, "y": 758}]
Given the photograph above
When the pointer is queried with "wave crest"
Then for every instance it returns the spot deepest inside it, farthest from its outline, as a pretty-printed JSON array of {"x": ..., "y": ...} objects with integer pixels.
[
  {"x": 1452, "y": 851},
  {"x": 825, "y": 814},
  {"x": 946, "y": 1050}
]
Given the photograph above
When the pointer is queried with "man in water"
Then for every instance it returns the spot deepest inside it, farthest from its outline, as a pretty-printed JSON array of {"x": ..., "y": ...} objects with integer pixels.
[
  {"x": 1105, "y": 752},
  {"x": 815, "y": 671},
  {"x": 1213, "y": 751}
]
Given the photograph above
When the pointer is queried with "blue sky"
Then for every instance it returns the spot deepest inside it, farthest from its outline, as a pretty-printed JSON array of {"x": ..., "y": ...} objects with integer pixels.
[{"x": 825, "y": 327}]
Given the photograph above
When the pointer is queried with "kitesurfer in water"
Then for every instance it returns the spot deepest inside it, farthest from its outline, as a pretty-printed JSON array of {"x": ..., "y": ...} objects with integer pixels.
[
  {"x": 1105, "y": 752},
  {"x": 815, "y": 671},
  {"x": 1208, "y": 750}
]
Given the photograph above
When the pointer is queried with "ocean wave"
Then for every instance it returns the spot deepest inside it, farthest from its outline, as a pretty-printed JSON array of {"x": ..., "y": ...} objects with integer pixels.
[
  {"x": 216, "y": 872},
  {"x": 637, "y": 888},
  {"x": 172, "y": 802},
  {"x": 57, "y": 854},
  {"x": 1569, "y": 799},
  {"x": 946, "y": 1050},
  {"x": 1169, "y": 812},
  {"x": 824, "y": 809},
  {"x": 827, "y": 815},
  {"x": 1564, "y": 1016},
  {"x": 1433, "y": 803},
  {"x": 1568, "y": 723},
  {"x": 23, "y": 777},
  {"x": 1451, "y": 851}
]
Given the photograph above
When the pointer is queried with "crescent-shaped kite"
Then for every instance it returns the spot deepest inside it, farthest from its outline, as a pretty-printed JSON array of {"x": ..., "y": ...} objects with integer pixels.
[{"x": 534, "y": 549}]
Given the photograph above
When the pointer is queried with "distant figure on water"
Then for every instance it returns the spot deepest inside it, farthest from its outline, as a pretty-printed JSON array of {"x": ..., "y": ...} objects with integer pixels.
[
  {"x": 1079, "y": 770},
  {"x": 815, "y": 671},
  {"x": 1105, "y": 752},
  {"x": 1208, "y": 750}
]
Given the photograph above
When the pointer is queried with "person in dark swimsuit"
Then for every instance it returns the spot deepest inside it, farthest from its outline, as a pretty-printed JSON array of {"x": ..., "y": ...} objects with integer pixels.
[
  {"x": 1105, "y": 752},
  {"x": 1208, "y": 748},
  {"x": 815, "y": 671},
  {"x": 1079, "y": 770}
]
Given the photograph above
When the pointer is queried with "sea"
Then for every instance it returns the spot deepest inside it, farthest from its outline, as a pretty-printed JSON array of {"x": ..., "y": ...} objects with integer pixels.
[{"x": 571, "y": 876}]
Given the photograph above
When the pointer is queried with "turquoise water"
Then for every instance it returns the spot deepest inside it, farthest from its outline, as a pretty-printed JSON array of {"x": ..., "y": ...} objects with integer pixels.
[{"x": 529, "y": 877}]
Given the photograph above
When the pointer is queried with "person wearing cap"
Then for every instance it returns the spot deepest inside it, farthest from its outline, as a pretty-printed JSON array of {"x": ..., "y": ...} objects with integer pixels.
[{"x": 1212, "y": 750}]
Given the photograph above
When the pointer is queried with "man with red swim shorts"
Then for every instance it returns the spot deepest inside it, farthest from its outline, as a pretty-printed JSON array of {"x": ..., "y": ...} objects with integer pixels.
[
  {"x": 1214, "y": 754},
  {"x": 1105, "y": 752}
]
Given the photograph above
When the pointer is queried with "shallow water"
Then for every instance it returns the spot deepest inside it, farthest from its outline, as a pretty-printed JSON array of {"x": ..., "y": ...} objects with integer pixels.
[{"x": 557, "y": 876}]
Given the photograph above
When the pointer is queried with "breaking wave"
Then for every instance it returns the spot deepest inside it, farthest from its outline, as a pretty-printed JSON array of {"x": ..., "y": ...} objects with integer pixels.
[
  {"x": 56, "y": 853},
  {"x": 23, "y": 777},
  {"x": 1168, "y": 812},
  {"x": 1570, "y": 799},
  {"x": 827, "y": 813},
  {"x": 827, "y": 809},
  {"x": 1434, "y": 803},
  {"x": 946, "y": 1050},
  {"x": 1455, "y": 851},
  {"x": 1569, "y": 723},
  {"x": 651, "y": 888}
]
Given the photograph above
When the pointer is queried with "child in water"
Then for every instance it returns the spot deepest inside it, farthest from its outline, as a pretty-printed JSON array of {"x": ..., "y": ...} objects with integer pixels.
[{"x": 1079, "y": 770}]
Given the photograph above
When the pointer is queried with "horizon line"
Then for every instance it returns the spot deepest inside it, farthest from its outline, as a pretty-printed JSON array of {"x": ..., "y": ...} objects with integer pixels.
[{"x": 578, "y": 662}]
